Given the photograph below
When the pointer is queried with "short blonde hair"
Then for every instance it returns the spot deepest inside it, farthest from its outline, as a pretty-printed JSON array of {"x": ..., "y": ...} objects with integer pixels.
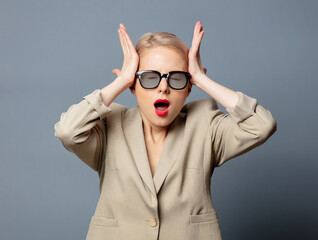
[{"x": 162, "y": 39}]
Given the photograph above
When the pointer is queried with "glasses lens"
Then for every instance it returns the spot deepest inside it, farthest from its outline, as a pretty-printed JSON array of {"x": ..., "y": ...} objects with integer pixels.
[
  {"x": 178, "y": 80},
  {"x": 149, "y": 79}
]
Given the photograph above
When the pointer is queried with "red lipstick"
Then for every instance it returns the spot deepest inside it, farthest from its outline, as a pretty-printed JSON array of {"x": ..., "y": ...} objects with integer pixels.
[{"x": 161, "y": 106}]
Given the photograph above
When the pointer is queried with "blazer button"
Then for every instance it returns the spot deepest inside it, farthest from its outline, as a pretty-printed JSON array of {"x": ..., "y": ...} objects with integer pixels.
[{"x": 153, "y": 222}]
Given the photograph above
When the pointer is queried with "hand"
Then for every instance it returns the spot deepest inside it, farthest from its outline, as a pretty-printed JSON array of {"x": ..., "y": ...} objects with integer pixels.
[
  {"x": 195, "y": 68},
  {"x": 131, "y": 58}
]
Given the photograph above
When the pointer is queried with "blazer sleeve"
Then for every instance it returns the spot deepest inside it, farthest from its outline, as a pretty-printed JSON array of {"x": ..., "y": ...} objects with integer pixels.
[
  {"x": 245, "y": 126},
  {"x": 81, "y": 129}
]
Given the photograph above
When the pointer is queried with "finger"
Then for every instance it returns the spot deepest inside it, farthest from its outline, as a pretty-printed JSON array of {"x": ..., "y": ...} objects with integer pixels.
[
  {"x": 122, "y": 25},
  {"x": 125, "y": 42},
  {"x": 126, "y": 37},
  {"x": 197, "y": 44},
  {"x": 200, "y": 38},
  {"x": 121, "y": 41},
  {"x": 116, "y": 71},
  {"x": 196, "y": 31},
  {"x": 130, "y": 45},
  {"x": 199, "y": 31},
  {"x": 198, "y": 28}
]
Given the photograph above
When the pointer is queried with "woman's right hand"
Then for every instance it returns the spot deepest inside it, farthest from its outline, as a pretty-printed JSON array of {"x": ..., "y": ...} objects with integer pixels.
[{"x": 131, "y": 58}]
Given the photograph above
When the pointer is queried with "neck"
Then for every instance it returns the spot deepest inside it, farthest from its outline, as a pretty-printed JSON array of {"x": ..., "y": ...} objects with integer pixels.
[{"x": 154, "y": 134}]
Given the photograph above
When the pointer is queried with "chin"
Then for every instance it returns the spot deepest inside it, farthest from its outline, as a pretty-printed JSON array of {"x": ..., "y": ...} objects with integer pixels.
[{"x": 162, "y": 121}]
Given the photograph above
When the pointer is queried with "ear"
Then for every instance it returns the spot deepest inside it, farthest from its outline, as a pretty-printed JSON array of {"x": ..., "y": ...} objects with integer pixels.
[
  {"x": 189, "y": 87},
  {"x": 133, "y": 88}
]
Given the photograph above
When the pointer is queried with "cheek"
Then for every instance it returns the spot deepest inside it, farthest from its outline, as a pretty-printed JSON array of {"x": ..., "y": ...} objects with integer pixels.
[
  {"x": 179, "y": 100},
  {"x": 183, "y": 96},
  {"x": 139, "y": 90},
  {"x": 143, "y": 96}
]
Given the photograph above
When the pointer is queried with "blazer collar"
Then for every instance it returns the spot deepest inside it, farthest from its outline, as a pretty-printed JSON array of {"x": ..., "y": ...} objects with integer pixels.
[{"x": 133, "y": 131}]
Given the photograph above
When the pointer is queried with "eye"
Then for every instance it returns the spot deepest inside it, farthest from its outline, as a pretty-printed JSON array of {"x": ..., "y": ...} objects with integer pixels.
[
  {"x": 174, "y": 78},
  {"x": 178, "y": 76}
]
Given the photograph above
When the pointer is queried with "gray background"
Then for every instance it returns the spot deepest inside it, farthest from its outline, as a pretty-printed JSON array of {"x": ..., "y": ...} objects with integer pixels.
[{"x": 52, "y": 53}]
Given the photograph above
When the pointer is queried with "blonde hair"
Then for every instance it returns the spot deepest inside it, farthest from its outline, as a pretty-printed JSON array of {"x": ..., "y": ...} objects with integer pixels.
[{"x": 162, "y": 39}]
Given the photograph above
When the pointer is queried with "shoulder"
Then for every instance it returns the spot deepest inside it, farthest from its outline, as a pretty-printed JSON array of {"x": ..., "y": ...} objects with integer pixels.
[
  {"x": 201, "y": 112},
  {"x": 117, "y": 108},
  {"x": 199, "y": 106},
  {"x": 95, "y": 99}
]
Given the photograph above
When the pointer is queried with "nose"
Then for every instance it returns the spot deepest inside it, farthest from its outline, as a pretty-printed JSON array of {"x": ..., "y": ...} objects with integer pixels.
[{"x": 163, "y": 86}]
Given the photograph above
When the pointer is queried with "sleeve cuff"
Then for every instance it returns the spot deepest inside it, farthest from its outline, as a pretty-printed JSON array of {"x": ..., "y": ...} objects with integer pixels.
[
  {"x": 95, "y": 99},
  {"x": 243, "y": 109}
]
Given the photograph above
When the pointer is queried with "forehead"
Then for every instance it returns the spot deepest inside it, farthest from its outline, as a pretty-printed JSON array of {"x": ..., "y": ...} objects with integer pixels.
[{"x": 162, "y": 59}]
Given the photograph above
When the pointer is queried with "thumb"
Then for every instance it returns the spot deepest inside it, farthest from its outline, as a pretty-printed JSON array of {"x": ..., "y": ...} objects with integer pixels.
[{"x": 116, "y": 71}]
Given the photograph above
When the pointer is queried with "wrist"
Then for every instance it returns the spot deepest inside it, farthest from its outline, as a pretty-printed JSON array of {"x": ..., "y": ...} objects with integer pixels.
[
  {"x": 121, "y": 82},
  {"x": 197, "y": 77}
]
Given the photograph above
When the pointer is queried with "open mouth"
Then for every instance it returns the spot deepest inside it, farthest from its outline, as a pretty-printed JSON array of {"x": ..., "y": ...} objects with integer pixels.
[{"x": 162, "y": 104}]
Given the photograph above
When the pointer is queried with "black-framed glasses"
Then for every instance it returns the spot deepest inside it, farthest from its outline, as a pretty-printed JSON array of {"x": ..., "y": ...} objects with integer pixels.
[{"x": 150, "y": 79}]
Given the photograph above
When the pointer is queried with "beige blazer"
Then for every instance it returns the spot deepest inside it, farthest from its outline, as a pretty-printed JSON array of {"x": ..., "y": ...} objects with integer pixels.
[{"x": 176, "y": 203}]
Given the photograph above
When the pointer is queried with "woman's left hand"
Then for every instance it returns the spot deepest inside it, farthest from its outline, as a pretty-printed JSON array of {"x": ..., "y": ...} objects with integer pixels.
[{"x": 195, "y": 67}]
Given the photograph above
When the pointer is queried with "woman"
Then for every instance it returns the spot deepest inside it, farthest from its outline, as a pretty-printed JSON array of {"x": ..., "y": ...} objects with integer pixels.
[{"x": 155, "y": 161}]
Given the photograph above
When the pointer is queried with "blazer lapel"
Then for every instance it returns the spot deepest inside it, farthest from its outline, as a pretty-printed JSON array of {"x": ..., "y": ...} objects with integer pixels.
[
  {"x": 170, "y": 151},
  {"x": 133, "y": 130}
]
